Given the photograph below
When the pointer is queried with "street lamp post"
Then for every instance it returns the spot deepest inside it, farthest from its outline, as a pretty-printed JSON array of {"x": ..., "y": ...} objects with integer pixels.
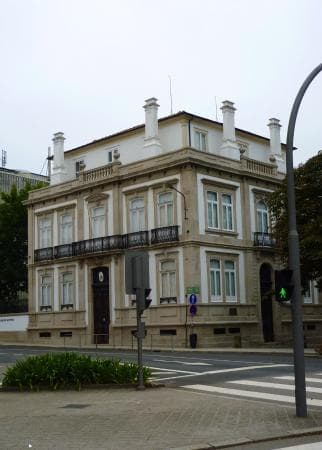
[{"x": 294, "y": 256}]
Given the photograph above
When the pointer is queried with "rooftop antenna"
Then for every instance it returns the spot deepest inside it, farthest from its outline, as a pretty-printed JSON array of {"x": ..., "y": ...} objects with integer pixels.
[
  {"x": 3, "y": 158},
  {"x": 170, "y": 94},
  {"x": 49, "y": 158},
  {"x": 216, "y": 109}
]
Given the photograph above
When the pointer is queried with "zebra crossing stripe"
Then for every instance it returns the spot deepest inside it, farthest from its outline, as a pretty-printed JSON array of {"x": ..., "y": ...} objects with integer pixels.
[
  {"x": 264, "y": 384},
  {"x": 291, "y": 378},
  {"x": 250, "y": 394}
]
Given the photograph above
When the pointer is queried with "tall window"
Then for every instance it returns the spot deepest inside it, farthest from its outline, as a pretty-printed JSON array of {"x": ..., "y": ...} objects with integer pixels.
[
  {"x": 45, "y": 233},
  {"x": 212, "y": 206},
  {"x": 200, "y": 140},
  {"x": 137, "y": 215},
  {"x": 230, "y": 280},
  {"x": 165, "y": 209},
  {"x": 219, "y": 211},
  {"x": 45, "y": 290},
  {"x": 215, "y": 283},
  {"x": 262, "y": 217},
  {"x": 66, "y": 228},
  {"x": 168, "y": 278},
  {"x": 67, "y": 289},
  {"x": 227, "y": 212},
  {"x": 98, "y": 221}
]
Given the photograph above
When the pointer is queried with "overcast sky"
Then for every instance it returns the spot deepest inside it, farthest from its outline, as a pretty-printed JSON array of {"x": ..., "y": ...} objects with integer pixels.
[{"x": 85, "y": 67}]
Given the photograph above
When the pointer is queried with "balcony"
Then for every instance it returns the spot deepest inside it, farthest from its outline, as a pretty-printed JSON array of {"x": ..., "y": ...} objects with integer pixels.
[
  {"x": 264, "y": 240},
  {"x": 137, "y": 239},
  {"x": 63, "y": 251},
  {"x": 44, "y": 254},
  {"x": 108, "y": 243},
  {"x": 164, "y": 234}
]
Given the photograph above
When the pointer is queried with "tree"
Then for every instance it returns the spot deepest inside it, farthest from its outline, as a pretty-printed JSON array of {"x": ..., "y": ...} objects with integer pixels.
[
  {"x": 308, "y": 193},
  {"x": 13, "y": 249}
]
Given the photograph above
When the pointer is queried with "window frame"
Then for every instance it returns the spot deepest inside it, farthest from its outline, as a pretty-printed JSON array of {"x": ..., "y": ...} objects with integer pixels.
[
  {"x": 166, "y": 205},
  {"x": 45, "y": 306},
  {"x": 40, "y": 219},
  {"x": 215, "y": 298},
  {"x": 162, "y": 259},
  {"x": 71, "y": 288},
  {"x": 221, "y": 191},
  {"x": 79, "y": 162},
  {"x": 61, "y": 214},
  {"x": 223, "y": 259},
  {"x": 259, "y": 223},
  {"x": 198, "y": 135}
]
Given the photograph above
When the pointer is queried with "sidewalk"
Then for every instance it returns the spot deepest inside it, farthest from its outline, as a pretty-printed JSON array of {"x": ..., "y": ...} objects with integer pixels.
[
  {"x": 102, "y": 347},
  {"x": 154, "y": 419}
]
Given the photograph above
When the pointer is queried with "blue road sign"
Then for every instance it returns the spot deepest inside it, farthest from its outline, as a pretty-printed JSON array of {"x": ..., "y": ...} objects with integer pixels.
[
  {"x": 193, "y": 310},
  {"x": 192, "y": 299}
]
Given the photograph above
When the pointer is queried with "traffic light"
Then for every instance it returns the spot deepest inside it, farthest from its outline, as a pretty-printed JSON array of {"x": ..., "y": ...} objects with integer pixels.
[
  {"x": 283, "y": 285},
  {"x": 142, "y": 300}
]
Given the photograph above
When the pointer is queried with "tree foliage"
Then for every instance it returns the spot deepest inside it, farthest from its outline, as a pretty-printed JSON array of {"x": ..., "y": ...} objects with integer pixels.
[
  {"x": 13, "y": 249},
  {"x": 308, "y": 193}
]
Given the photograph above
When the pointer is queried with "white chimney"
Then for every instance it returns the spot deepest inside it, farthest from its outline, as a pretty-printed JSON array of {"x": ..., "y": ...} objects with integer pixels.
[
  {"x": 275, "y": 144},
  {"x": 275, "y": 136},
  {"x": 58, "y": 173},
  {"x": 151, "y": 141},
  {"x": 229, "y": 147}
]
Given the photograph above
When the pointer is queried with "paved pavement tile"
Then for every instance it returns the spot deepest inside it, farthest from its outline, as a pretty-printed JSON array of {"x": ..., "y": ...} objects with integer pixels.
[{"x": 154, "y": 419}]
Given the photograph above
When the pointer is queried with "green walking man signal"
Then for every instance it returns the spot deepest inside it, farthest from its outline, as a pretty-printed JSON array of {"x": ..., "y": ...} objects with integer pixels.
[{"x": 283, "y": 285}]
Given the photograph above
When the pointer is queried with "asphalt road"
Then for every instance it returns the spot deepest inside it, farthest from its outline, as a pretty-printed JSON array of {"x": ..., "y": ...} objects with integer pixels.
[{"x": 257, "y": 377}]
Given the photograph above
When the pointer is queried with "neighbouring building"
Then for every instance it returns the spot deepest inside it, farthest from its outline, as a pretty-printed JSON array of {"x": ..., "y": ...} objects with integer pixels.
[
  {"x": 192, "y": 193},
  {"x": 10, "y": 177}
]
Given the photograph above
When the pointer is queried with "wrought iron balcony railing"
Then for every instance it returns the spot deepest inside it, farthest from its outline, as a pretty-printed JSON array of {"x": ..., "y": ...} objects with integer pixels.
[
  {"x": 164, "y": 234},
  {"x": 137, "y": 239},
  {"x": 106, "y": 243},
  {"x": 63, "y": 251},
  {"x": 43, "y": 254},
  {"x": 263, "y": 240}
]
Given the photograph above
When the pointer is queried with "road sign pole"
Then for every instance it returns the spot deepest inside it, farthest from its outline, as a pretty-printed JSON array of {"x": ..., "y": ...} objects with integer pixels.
[{"x": 139, "y": 331}]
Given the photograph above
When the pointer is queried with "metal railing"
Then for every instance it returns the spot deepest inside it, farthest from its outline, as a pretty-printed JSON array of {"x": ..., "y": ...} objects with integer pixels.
[
  {"x": 263, "y": 240},
  {"x": 107, "y": 243},
  {"x": 164, "y": 234}
]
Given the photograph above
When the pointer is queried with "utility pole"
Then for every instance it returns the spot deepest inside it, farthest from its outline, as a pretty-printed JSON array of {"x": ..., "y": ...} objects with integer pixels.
[{"x": 294, "y": 256}]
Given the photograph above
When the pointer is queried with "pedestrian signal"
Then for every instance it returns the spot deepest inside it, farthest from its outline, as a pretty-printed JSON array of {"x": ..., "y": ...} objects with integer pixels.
[{"x": 283, "y": 285}]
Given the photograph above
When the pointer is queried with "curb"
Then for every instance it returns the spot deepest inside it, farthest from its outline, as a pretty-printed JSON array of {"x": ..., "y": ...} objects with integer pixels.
[{"x": 247, "y": 441}]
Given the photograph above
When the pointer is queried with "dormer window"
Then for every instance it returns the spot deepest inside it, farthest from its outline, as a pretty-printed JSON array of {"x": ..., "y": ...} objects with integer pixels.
[
  {"x": 79, "y": 165},
  {"x": 200, "y": 140}
]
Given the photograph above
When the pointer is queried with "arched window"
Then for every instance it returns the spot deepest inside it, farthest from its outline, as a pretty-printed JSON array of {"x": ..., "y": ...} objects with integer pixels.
[
  {"x": 262, "y": 217},
  {"x": 137, "y": 215},
  {"x": 165, "y": 209}
]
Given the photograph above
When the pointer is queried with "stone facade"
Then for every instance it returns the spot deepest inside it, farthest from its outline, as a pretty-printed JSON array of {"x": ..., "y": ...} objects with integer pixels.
[{"x": 169, "y": 188}]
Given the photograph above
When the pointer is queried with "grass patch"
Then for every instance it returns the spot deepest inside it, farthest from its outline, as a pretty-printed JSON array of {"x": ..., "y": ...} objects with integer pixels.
[{"x": 61, "y": 370}]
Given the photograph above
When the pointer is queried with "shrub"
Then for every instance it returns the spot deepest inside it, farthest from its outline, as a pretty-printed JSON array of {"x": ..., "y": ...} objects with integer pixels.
[{"x": 59, "y": 370}]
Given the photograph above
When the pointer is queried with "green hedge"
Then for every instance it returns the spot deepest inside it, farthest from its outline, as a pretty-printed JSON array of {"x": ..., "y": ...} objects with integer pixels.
[{"x": 59, "y": 370}]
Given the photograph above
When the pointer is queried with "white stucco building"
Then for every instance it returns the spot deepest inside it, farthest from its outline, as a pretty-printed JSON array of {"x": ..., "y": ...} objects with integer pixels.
[{"x": 189, "y": 190}]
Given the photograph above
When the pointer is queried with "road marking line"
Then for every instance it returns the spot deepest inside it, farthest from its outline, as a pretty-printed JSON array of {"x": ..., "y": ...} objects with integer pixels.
[
  {"x": 185, "y": 363},
  {"x": 311, "y": 380},
  {"x": 172, "y": 370},
  {"x": 264, "y": 384},
  {"x": 162, "y": 373},
  {"x": 251, "y": 394},
  {"x": 235, "y": 369}
]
